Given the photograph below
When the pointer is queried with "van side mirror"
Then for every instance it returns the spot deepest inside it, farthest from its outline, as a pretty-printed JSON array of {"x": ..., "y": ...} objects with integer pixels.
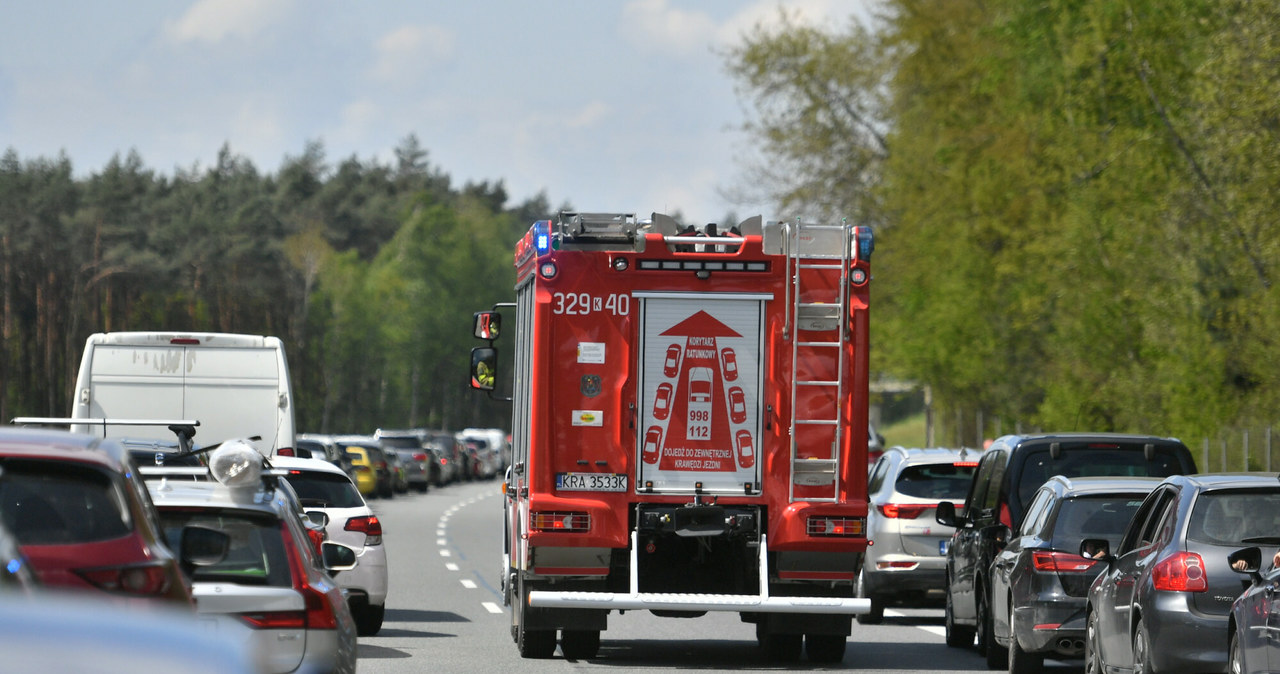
[
  {"x": 946, "y": 514},
  {"x": 486, "y": 325},
  {"x": 484, "y": 368}
]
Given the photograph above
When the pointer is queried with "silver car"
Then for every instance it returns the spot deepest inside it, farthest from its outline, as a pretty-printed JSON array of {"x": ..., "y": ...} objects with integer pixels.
[
  {"x": 905, "y": 563},
  {"x": 271, "y": 577}
]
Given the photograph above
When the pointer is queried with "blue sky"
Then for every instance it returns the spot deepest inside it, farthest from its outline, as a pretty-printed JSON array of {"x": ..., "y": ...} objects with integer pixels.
[{"x": 612, "y": 105}]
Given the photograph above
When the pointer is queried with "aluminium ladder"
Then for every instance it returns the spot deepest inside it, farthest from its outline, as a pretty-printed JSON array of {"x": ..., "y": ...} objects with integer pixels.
[{"x": 817, "y": 327}]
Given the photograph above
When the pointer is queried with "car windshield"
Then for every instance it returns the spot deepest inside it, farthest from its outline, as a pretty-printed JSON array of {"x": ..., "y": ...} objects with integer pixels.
[
  {"x": 1125, "y": 461},
  {"x": 56, "y": 503},
  {"x": 255, "y": 556},
  {"x": 1232, "y": 517},
  {"x": 1093, "y": 517},
  {"x": 317, "y": 489},
  {"x": 941, "y": 481}
]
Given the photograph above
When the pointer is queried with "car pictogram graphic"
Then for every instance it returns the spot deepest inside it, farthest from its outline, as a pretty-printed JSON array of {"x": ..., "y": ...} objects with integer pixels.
[
  {"x": 729, "y": 364},
  {"x": 746, "y": 449},
  {"x": 662, "y": 402},
  {"x": 652, "y": 443},
  {"x": 737, "y": 405},
  {"x": 671, "y": 366}
]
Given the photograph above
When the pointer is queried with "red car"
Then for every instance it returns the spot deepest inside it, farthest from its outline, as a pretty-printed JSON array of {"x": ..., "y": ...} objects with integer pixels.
[{"x": 83, "y": 518}]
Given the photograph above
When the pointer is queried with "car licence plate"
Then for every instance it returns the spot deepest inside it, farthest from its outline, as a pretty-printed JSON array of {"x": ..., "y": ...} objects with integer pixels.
[{"x": 591, "y": 482}]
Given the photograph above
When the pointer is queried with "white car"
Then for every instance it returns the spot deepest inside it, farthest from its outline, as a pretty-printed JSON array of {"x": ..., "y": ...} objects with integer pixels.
[{"x": 322, "y": 486}]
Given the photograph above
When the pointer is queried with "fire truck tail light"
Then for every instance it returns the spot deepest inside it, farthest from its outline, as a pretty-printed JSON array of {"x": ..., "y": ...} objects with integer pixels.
[
  {"x": 561, "y": 521},
  {"x": 547, "y": 270},
  {"x": 846, "y": 527}
]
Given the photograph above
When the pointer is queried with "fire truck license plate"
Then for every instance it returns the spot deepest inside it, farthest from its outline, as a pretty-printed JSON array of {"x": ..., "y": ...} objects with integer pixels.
[{"x": 591, "y": 482}]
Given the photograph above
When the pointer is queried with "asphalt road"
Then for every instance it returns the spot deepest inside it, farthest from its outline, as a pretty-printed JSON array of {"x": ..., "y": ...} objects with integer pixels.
[{"x": 445, "y": 611}]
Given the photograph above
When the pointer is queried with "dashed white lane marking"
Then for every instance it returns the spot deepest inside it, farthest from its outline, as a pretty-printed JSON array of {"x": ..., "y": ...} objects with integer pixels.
[
  {"x": 445, "y": 553},
  {"x": 441, "y": 541},
  {"x": 451, "y": 566},
  {"x": 931, "y": 629},
  {"x": 469, "y": 584},
  {"x": 491, "y": 607},
  {"x": 440, "y": 532}
]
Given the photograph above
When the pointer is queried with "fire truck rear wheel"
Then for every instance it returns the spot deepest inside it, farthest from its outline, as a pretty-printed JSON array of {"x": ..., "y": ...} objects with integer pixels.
[
  {"x": 580, "y": 644},
  {"x": 530, "y": 643},
  {"x": 824, "y": 647},
  {"x": 779, "y": 647}
]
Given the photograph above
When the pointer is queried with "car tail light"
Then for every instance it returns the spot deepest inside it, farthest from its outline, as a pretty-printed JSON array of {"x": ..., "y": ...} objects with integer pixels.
[
  {"x": 905, "y": 511},
  {"x": 896, "y": 565},
  {"x": 561, "y": 521},
  {"x": 1181, "y": 572},
  {"x": 146, "y": 580},
  {"x": 319, "y": 614},
  {"x": 368, "y": 525},
  {"x": 419, "y": 457},
  {"x": 285, "y": 451},
  {"x": 275, "y": 620},
  {"x": 317, "y": 536},
  {"x": 841, "y": 527},
  {"x": 1060, "y": 562}
]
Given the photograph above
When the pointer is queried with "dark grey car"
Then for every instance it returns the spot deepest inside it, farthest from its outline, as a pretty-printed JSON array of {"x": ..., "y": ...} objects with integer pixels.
[
  {"x": 1252, "y": 645},
  {"x": 1164, "y": 599},
  {"x": 1040, "y": 581}
]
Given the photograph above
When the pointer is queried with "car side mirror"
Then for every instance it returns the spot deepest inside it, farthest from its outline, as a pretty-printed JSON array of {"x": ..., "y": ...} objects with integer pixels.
[
  {"x": 945, "y": 514},
  {"x": 202, "y": 546},
  {"x": 338, "y": 557},
  {"x": 1246, "y": 560},
  {"x": 318, "y": 517},
  {"x": 1096, "y": 548}
]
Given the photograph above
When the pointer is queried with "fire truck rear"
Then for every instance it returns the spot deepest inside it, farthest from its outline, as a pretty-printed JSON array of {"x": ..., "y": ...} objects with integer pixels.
[{"x": 689, "y": 428}]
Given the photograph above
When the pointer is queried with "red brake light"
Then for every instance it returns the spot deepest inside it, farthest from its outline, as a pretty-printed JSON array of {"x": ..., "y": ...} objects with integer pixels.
[
  {"x": 184, "y": 341},
  {"x": 419, "y": 457},
  {"x": 965, "y": 464},
  {"x": 368, "y": 525},
  {"x": 1060, "y": 562},
  {"x": 275, "y": 620},
  {"x": 146, "y": 580},
  {"x": 906, "y": 511},
  {"x": 1181, "y": 572},
  {"x": 319, "y": 614},
  {"x": 285, "y": 451}
]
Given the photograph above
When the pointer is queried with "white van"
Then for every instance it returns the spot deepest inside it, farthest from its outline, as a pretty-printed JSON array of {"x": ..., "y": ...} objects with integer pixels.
[{"x": 236, "y": 386}]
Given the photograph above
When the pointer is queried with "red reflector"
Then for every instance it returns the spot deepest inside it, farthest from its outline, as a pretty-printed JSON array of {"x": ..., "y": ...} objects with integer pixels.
[
  {"x": 1182, "y": 572},
  {"x": 275, "y": 620},
  {"x": 906, "y": 511}
]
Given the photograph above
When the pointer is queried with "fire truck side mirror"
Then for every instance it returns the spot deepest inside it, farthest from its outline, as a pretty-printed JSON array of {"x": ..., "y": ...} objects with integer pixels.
[
  {"x": 486, "y": 325},
  {"x": 484, "y": 367}
]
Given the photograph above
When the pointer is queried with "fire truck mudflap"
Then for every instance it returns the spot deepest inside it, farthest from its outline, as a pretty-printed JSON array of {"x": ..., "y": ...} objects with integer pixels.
[{"x": 689, "y": 429}]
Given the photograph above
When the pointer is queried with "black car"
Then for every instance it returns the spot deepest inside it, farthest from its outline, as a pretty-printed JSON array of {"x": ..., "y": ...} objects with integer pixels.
[
  {"x": 1011, "y": 471},
  {"x": 1040, "y": 581},
  {"x": 1255, "y": 615},
  {"x": 1163, "y": 601}
]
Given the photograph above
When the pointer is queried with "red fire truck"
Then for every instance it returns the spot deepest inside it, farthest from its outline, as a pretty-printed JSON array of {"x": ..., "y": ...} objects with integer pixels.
[{"x": 689, "y": 428}]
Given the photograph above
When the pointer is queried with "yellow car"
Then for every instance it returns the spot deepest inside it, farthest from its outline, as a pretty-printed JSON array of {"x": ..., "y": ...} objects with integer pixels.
[{"x": 365, "y": 478}]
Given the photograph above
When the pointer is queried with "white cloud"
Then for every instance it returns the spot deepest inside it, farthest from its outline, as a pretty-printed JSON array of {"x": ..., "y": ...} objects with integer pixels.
[
  {"x": 212, "y": 21},
  {"x": 405, "y": 52},
  {"x": 829, "y": 14},
  {"x": 588, "y": 116},
  {"x": 654, "y": 23}
]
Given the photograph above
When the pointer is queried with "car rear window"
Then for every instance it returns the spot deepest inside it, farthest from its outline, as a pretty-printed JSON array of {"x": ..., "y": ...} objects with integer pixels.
[
  {"x": 1233, "y": 517},
  {"x": 57, "y": 503},
  {"x": 942, "y": 481},
  {"x": 318, "y": 489},
  {"x": 255, "y": 556},
  {"x": 1093, "y": 517},
  {"x": 1126, "y": 461},
  {"x": 405, "y": 442}
]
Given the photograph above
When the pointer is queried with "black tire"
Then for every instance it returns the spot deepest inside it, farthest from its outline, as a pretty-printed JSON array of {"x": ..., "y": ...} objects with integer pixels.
[
  {"x": 1235, "y": 659},
  {"x": 368, "y": 618},
  {"x": 539, "y": 644},
  {"x": 1022, "y": 662},
  {"x": 824, "y": 648},
  {"x": 1092, "y": 657},
  {"x": 876, "y": 615},
  {"x": 779, "y": 647},
  {"x": 580, "y": 644},
  {"x": 958, "y": 636},
  {"x": 1142, "y": 651},
  {"x": 997, "y": 656}
]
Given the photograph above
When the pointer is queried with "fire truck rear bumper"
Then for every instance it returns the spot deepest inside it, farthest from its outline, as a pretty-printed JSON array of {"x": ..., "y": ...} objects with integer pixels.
[{"x": 698, "y": 602}]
